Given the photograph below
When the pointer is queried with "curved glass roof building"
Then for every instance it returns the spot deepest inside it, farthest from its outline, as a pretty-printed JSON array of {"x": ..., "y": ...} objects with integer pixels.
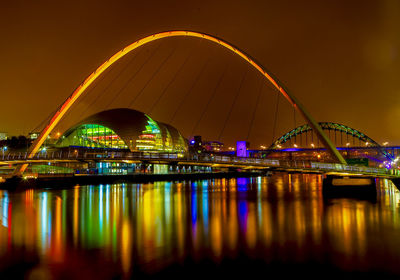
[{"x": 124, "y": 129}]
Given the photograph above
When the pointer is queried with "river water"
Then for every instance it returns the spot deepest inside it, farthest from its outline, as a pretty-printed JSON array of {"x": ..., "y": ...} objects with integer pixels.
[{"x": 278, "y": 225}]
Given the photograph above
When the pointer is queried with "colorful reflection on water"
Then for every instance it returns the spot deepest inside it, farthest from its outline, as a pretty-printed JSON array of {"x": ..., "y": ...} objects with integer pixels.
[{"x": 119, "y": 230}]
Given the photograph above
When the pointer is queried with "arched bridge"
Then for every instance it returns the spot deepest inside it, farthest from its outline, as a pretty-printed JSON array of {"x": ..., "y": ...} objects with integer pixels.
[
  {"x": 329, "y": 126},
  {"x": 325, "y": 126},
  {"x": 63, "y": 109}
]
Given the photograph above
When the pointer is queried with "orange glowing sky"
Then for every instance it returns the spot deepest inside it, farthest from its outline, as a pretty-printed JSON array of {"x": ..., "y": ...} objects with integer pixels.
[{"x": 340, "y": 59}]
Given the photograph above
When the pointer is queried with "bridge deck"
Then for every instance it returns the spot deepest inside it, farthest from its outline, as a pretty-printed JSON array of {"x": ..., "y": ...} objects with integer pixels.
[{"x": 201, "y": 160}]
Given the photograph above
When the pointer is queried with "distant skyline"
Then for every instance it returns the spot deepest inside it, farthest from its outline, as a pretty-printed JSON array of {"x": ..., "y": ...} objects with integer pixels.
[{"x": 339, "y": 58}]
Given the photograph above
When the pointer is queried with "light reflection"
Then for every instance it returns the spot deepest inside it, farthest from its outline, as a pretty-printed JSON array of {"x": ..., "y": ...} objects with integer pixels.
[
  {"x": 57, "y": 231},
  {"x": 152, "y": 225},
  {"x": 4, "y": 206}
]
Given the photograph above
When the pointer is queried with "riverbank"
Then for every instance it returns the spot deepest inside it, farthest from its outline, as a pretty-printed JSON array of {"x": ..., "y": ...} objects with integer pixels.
[{"x": 86, "y": 179}]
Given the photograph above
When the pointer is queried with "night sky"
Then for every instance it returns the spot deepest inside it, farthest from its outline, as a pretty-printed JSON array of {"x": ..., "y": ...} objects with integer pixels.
[{"x": 339, "y": 58}]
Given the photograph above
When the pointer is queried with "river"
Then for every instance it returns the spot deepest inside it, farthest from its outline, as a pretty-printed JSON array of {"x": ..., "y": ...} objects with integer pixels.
[{"x": 277, "y": 225}]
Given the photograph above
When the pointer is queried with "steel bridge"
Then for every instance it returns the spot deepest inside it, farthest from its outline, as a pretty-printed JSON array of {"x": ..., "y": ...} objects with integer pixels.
[{"x": 339, "y": 130}]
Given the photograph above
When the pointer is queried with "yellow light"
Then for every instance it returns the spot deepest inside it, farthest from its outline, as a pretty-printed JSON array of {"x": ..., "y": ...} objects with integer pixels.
[{"x": 103, "y": 67}]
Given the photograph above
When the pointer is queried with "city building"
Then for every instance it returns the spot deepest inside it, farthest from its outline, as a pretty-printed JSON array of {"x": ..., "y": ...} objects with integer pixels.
[
  {"x": 3, "y": 136},
  {"x": 242, "y": 148},
  {"x": 32, "y": 136},
  {"x": 124, "y": 129},
  {"x": 196, "y": 144},
  {"x": 213, "y": 146}
]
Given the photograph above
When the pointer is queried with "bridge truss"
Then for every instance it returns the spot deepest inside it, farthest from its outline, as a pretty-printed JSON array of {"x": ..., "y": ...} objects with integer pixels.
[{"x": 329, "y": 126}]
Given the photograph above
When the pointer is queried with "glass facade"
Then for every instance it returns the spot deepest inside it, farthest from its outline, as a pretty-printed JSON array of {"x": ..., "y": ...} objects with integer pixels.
[
  {"x": 157, "y": 139},
  {"x": 93, "y": 136},
  {"x": 149, "y": 136}
]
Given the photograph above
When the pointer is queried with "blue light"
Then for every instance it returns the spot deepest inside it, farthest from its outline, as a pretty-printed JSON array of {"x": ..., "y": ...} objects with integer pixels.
[
  {"x": 242, "y": 184},
  {"x": 4, "y": 203},
  {"x": 291, "y": 150},
  {"x": 243, "y": 214},
  {"x": 192, "y": 142},
  {"x": 205, "y": 210},
  {"x": 194, "y": 208}
]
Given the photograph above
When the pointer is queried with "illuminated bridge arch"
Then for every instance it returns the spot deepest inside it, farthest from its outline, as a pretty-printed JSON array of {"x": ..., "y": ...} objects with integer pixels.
[
  {"x": 325, "y": 126},
  {"x": 92, "y": 77}
]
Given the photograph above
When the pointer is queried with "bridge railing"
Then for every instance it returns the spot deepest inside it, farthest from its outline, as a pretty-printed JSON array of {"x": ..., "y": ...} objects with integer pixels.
[
  {"x": 87, "y": 155},
  {"x": 225, "y": 159},
  {"x": 352, "y": 168}
]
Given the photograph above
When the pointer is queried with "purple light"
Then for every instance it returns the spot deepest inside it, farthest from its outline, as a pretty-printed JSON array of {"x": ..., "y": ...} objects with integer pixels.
[
  {"x": 291, "y": 150},
  {"x": 192, "y": 142},
  {"x": 241, "y": 148}
]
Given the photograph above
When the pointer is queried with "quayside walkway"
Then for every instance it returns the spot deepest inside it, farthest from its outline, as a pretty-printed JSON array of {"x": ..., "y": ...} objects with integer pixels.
[{"x": 213, "y": 161}]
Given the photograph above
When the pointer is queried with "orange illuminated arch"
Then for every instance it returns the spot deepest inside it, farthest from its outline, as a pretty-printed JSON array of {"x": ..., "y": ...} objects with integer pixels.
[{"x": 92, "y": 77}]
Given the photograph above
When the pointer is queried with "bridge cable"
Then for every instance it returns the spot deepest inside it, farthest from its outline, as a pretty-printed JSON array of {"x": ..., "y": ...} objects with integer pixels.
[
  {"x": 133, "y": 76},
  {"x": 43, "y": 121},
  {"x": 129, "y": 80},
  {"x": 119, "y": 74},
  {"x": 211, "y": 98},
  {"x": 104, "y": 91},
  {"x": 255, "y": 110},
  {"x": 232, "y": 105},
  {"x": 172, "y": 80},
  {"x": 152, "y": 77},
  {"x": 91, "y": 89},
  {"x": 53, "y": 112},
  {"x": 275, "y": 118},
  {"x": 190, "y": 89}
]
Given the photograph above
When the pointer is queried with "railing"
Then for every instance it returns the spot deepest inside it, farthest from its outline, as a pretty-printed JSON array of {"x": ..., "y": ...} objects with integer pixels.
[
  {"x": 221, "y": 159},
  {"x": 352, "y": 168}
]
